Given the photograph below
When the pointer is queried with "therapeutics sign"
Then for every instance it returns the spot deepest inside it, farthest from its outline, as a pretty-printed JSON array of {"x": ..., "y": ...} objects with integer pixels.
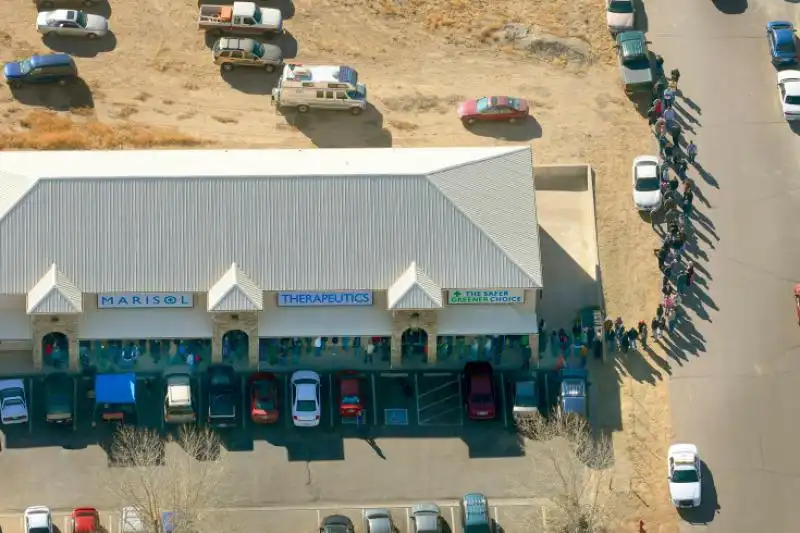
[
  {"x": 144, "y": 300},
  {"x": 320, "y": 299},
  {"x": 464, "y": 296}
]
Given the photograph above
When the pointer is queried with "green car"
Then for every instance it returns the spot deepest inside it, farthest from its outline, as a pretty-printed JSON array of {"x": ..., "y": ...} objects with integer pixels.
[
  {"x": 635, "y": 63},
  {"x": 60, "y": 394}
]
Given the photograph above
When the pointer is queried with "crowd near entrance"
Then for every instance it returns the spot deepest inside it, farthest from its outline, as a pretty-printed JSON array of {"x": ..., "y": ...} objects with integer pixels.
[
  {"x": 143, "y": 355},
  {"x": 55, "y": 351}
]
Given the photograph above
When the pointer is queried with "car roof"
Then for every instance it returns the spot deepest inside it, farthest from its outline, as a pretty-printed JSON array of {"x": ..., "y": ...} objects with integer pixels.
[
  {"x": 50, "y": 60},
  {"x": 480, "y": 383},
  {"x": 525, "y": 388},
  {"x": 476, "y": 508},
  {"x": 37, "y": 516},
  {"x": 307, "y": 391},
  {"x": 646, "y": 169},
  {"x": 380, "y": 521},
  {"x": 236, "y": 43},
  {"x": 350, "y": 387}
]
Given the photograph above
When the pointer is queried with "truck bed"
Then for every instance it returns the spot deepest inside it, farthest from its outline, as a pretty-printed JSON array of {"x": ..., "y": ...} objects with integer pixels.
[{"x": 214, "y": 15}]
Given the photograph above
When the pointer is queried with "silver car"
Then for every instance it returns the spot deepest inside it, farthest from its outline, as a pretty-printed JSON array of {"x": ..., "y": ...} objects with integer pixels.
[
  {"x": 71, "y": 23},
  {"x": 426, "y": 518},
  {"x": 378, "y": 521}
]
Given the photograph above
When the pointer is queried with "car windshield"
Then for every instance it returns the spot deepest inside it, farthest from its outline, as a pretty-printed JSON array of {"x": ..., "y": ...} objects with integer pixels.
[
  {"x": 306, "y": 406},
  {"x": 25, "y": 66},
  {"x": 81, "y": 19},
  {"x": 621, "y": 7},
  {"x": 647, "y": 184},
  {"x": 13, "y": 401},
  {"x": 258, "y": 49},
  {"x": 785, "y": 46},
  {"x": 257, "y": 16},
  {"x": 685, "y": 476},
  {"x": 38, "y": 530},
  {"x": 482, "y": 105},
  {"x": 350, "y": 400},
  {"x": 220, "y": 380},
  {"x": 481, "y": 398},
  {"x": 793, "y": 100}
]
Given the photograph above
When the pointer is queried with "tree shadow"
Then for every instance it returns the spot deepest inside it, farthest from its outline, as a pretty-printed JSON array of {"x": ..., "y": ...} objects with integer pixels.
[
  {"x": 731, "y": 7},
  {"x": 709, "y": 502},
  {"x": 81, "y": 47},
  {"x": 522, "y": 130},
  {"x": 74, "y": 95},
  {"x": 340, "y": 129}
]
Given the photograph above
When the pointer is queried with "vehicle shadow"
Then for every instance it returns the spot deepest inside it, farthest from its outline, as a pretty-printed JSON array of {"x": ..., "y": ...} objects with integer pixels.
[
  {"x": 287, "y": 43},
  {"x": 642, "y": 22},
  {"x": 340, "y": 129},
  {"x": 523, "y": 130},
  {"x": 731, "y": 7},
  {"x": 75, "y": 95},
  {"x": 80, "y": 47},
  {"x": 102, "y": 8},
  {"x": 251, "y": 80},
  {"x": 709, "y": 504}
]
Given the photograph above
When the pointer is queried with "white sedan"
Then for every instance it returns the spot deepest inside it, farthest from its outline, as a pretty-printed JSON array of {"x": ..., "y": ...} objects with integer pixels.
[
  {"x": 38, "y": 519},
  {"x": 71, "y": 23},
  {"x": 646, "y": 183},
  {"x": 305, "y": 398},
  {"x": 683, "y": 471},
  {"x": 789, "y": 93}
]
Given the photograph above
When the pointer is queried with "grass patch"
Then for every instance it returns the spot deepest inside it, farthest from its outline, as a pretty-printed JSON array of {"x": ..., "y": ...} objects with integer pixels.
[{"x": 46, "y": 130}]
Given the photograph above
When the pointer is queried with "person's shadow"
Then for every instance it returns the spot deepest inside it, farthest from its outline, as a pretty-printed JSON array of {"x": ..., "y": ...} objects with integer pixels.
[{"x": 374, "y": 445}]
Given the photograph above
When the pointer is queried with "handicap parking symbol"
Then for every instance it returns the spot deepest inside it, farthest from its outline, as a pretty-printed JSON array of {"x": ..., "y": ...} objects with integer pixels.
[{"x": 396, "y": 417}]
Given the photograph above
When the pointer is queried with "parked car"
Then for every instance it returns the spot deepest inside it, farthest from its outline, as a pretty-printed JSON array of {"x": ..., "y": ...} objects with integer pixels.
[
  {"x": 37, "y": 519},
  {"x": 492, "y": 109},
  {"x": 646, "y": 183},
  {"x": 221, "y": 396},
  {"x": 378, "y": 521},
  {"x": 59, "y": 398},
  {"x": 526, "y": 398},
  {"x": 305, "y": 398},
  {"x": 572, "y": 392},
  {"x": 242, "y": 17},
  {"x": 426, "y": 518},
  {"x": 782, "y": 43},
  {"x": 178, "y": 397},
  {"x": 480, "y": 397},
  {"x": 474, "y": 514},
  {"x": 350, "y": 404},
  {"x": 620, "y": 15},
  {"x": 84, "y": 520},
  {"x": 684, "y": 474},
  {"x": 263, "y": 398},
  {"x": 635, "y": 63},
  {"x": 336, "y": 523},
  {"x": 789, "y": 93},
  {"x": 232, "y": 52},
  {"x": 71, "y": 23},
  {"x": 13, "y": 405},
  {"x": 39, "y": 69}
]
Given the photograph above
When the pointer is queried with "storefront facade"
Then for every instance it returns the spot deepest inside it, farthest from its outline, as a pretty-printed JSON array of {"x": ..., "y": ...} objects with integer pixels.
[{"x": 293, "y": 258}]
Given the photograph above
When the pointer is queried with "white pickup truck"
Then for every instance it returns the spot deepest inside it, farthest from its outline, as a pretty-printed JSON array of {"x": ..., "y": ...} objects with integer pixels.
[
  {"x": 13, "y": 406},
  {"x": 242, "y": 18}
]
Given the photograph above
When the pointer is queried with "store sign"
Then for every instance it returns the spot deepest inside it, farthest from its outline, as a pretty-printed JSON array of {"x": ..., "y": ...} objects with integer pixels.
[
  {"x": 464, "y": 296},
  {"x": 144, "y": 300},
  {"x": 319, "y": 299}
]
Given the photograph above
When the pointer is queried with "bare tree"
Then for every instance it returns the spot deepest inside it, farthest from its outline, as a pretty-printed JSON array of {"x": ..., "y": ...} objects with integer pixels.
[
  {"x": 180, "y": 475},
  {"x": 580, "y": 462}
]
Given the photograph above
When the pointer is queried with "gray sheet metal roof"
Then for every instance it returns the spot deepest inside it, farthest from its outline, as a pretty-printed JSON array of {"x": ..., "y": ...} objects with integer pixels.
[
  {"x": 169, "y": 220},
  {"x": 414, "y": 290},
  {"x": 235, "y": 292},
  {"x": 54, "y": 294}
]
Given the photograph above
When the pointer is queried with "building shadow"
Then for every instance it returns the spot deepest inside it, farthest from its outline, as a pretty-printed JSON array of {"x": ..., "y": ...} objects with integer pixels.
[
  {"x": 74, "y": 95},
  {"x": 251, "y": 80},
  {"x": 81, "y": 47},
  {"x": 731, "y": 7},
  {"x": 519, "y": 131},
  {"x": 709, "y": 503},
  {"x": 340, "y": 129}
]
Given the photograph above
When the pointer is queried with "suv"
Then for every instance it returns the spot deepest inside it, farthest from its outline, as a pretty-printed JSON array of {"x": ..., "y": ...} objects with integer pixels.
[
  {"x": 178, "y": 404},
  {"x": 48, "y": 68},
  {"x": 474, "y": 510},
  {"x": 231, "y": 52},
  {"x": 479, "y": 394},
  {"x": 636, "y": 66}
]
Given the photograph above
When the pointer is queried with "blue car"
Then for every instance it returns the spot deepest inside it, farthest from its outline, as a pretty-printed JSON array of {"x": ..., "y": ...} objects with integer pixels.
[
  {"x": 49, "y": 68},
  {"x": 782, "y": 45}
]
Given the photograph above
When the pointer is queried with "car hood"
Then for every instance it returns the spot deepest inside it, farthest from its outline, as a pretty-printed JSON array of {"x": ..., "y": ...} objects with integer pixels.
[
  {"x": 43, "y": 17},
  {"x": 685, "y": 491},
  {"x": 794, "y": 109},
  {"x": 96, "y": 23},
  {"x": 467, "y": 108},
  {"x": 647, "y": 199},
  {"x": 620, "y": 21},
  {"x": 12, "y": 70},
  {"x": 14, "y": 410}
]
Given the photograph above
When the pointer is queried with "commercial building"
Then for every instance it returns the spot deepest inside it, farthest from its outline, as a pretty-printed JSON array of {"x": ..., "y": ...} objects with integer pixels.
[{"x": 268, "y": 257}]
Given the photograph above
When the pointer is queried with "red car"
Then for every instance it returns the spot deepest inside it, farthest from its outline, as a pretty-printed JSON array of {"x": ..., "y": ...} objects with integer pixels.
[
  {"x": 492, "y": 108},
  {"x": 84, "y": 520},
  {"x": 263, "y": 398},
  {"x": 479, "y": 382},
  {"x": 350, "y": 394}
]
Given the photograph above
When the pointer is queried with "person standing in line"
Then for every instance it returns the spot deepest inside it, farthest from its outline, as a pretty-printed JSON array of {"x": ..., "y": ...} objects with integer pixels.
[
  {"x": 643, "y": 332},
  {"x": 691, "y": 151},
  {"x": 669, "y": 98},
  {"x": 369, "y": 353},
  {"x": 654, "y": 327},
  {"x": 554, "y": 344},
  {"x": 658, "y": 107},
  {"x": 664, "y": 173},
  {"x": 688, "y": 198},
  {"x": 669, "y": 149},
  {"x": 675, "y": 76},
  {"x": 659, "y": 311},
  {"x": 675, "y": 131},
  {"x": 633, "y": 339},
  {"x": 670, "y": 118},
  {"x": 610, "y": 340}
]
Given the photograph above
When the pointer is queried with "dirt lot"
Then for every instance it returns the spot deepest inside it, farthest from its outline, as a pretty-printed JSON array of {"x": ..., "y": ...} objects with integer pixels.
[{"x": 153, "y": 84}]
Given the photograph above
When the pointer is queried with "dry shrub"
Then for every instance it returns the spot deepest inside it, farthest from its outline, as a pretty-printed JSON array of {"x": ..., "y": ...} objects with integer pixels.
[
  {"x": 422, "y": 103},
  {"x": 402, "y": 125},
  {"x": 46, "y": 130},
  {"x": 224, "y": 120}
]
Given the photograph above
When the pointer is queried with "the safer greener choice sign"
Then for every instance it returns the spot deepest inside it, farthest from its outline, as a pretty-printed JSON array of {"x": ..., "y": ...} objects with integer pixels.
[{"x": 507, "y": 296}]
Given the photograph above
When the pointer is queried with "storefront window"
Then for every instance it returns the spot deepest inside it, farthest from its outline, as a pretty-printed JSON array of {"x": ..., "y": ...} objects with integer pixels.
[
  {"x": 235, "y": 347},
  {"x": 415, "y": 345},
  {"x": 292, "y": 351},
  {"x": 143, "y": 355}
]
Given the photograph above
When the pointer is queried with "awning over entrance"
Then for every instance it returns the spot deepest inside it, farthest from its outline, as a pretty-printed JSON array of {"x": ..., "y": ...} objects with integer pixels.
[
  {"x": 357, "y": 321},
  {"x": 146, "y": 324},
  {"x": 486, "y": 320},
  {"x": 54, "y": 294},
  {"x": 414, "y": 289},
  {"x": 235, "y": 291}
]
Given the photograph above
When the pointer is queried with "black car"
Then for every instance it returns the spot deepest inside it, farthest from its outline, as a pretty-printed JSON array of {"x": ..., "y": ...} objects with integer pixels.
[
  {"x": 60, "y": 394},
  {"x": 221, "y": 396}
]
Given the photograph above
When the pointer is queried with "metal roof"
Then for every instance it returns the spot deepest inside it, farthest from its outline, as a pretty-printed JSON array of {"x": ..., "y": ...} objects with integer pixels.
[
  {"x": 54, "y": 294},
  {"x": 353, "y": 219},
  {"x": 235, "y": 292},
  {"x": 414, "y": 290}
]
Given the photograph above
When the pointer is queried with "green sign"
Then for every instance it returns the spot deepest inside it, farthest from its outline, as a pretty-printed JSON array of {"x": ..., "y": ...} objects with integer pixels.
[{"x": 486, "y": 297}]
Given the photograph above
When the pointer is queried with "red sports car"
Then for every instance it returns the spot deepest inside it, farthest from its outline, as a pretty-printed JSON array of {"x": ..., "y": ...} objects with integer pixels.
[
  {"x": 84, "y": 520},
  {"x": 263, "y": 398},
  {"x": 350, "y": 394},
  {"x": 491, "y": 108}
]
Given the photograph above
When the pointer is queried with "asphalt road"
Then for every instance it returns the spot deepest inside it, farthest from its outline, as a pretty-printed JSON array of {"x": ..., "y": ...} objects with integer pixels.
[{"x": 735, "y": 394}]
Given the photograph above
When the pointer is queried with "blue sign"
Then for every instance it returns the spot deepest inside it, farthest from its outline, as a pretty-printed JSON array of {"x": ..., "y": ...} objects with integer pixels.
[{"x": 320, "y": 299}]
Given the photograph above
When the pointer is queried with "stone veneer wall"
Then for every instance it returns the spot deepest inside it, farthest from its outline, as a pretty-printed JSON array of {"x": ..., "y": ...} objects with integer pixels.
[
  {"x": 41, "y": 325},
  {"x": 403, "y": 320},
  {"x": 243, "y": 321}
]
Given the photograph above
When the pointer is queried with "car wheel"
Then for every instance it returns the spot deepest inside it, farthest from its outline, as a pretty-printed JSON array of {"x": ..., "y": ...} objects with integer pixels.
[
  {"x": 227, "y": 67},
  {"x": 15, "y": 84},
  {"x": 470, "y": 121},
  {"x": 356, "y": 110},
  {"x": 88, "y": 3},
  {"x": 269, "y": 68},
  {"x": 302, "y": 109},
  {"x": 92, "y": 36}
]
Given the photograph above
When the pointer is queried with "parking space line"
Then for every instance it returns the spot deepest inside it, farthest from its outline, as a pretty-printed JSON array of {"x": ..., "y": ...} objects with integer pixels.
[
  {"x": 74, "y": 404},
  {"x": 243, "y": 391},
  {"x": 30, "y": 408},
  {"x": 504, "y": 405},
  {"x": 453, "y": 518},
  {"x": 408, "y": 520},
  {"x": 199, "y": 401},
  {"x": 330, "y": 398},
  {"x": 436, "y": 389},
  {"x": 437, "y": 402},
  {"x": 319, "y": 517},
  {"x": 374, "y": 400},
  {"x": 427, "y": 421},
  {"x": 461, "y": 398},
  {"x": 66, "y": 525},
  {"x": 494, "y": 512},
  {"x": 416, "y": 395},
  {"x": 287, "y": 387}
]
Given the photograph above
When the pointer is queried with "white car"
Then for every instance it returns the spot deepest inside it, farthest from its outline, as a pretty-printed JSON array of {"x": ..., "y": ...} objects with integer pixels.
[
  {"x": 646, "y": 183},
  {"x": 683, "y": 471},
  {"x": 305, "y": 398},
  {"x": 620, "y": 15},
  {"x": 38, "y": 520},
  {"x": 13, "y": 406},
  {"x": 789, "y": 93},
  {"x": 71, "y": 23}
]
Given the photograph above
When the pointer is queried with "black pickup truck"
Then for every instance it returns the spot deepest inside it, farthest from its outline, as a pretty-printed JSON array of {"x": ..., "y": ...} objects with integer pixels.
[{"x": 222, "y": 396}]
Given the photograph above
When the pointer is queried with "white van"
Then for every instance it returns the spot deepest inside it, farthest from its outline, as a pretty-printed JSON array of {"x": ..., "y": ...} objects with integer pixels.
[{"x": 320, "y": 86}]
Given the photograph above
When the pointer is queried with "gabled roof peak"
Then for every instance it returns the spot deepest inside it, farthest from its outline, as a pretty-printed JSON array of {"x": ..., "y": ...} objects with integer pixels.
[
  {"x": 235, "y": 291},
  {"x": 54, "y": 294}
]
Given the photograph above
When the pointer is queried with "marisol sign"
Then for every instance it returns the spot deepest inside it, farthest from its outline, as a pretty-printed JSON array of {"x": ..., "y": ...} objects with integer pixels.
[
  {"x": 462, "y": 296},
  {"x": 143, "y": 300},
  {"x": 333, "y": 298}
]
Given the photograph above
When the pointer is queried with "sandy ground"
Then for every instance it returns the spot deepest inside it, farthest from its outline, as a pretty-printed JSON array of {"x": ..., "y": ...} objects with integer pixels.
[{"x": 153, "y": 83}]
